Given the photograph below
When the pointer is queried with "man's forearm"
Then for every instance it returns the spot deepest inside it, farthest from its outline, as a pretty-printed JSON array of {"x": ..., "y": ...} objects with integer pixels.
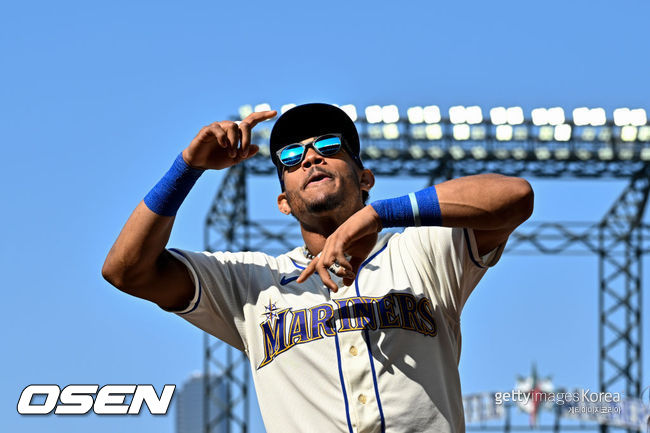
[
  {"x": 138, "y": 262},
  {"x": 139, "y": 245},
  {"x": 485, "y": 201}
]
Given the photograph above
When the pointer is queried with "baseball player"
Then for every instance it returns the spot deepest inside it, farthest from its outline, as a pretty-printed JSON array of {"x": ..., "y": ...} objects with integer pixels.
[{"x": 357, "y": 330}]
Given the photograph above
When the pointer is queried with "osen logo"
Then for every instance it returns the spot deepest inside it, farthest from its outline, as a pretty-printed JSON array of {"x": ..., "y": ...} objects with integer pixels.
[{"x": 80, "y": 399}]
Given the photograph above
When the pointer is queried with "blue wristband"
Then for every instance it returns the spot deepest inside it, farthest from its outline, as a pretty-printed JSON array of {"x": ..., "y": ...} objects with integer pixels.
[
  {"x": 428, "y": 206},
  {"x": 166, "y": 197},
  {"x": 415, "y": 209}
]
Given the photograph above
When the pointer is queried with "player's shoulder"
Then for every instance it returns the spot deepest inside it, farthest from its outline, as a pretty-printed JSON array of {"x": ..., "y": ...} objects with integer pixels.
[
  {"x": 427, "y": 240},
  {"x": 287, "y": 261},
  {"x": 426, "y": 234},
  {"x": 226, "y": 258}
]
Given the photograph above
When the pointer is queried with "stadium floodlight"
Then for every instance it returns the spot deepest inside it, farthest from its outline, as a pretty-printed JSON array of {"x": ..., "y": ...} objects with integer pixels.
[
  {"x": 521, "y": 133},
  {"x": 390, "y": 114},
  {"x": 626, "y": 154},
  {"x": 562, "y": 132},
  {"x": 628, "y": 133},
  {"x": 415, "y": 115},
  {"x": 286, "y": 107},
  {"x": 433, "y": 132},
  {"x": 390, "y": 131},
  {"x": 515, "y": 115},
  {"x": 373, "y": 114},
  {"x": 605, "y": 134},
  {"x": 498, "y": 115},
  {"x": 546, "y": 133},
  {"x": 588, "y": 134},
  {"x": 416, "y": 152},
  {"x": 262, "y": 107},
  {"x": 478, "y": 132},
  {"x": 504, "y": 133},
  {"x": 540, "y": 116},
  {"x": 473, "y": 115},
  {"x": 556, "y": 116},
  {"x": 461, "y": 132},
  {"x": 638, "y": 117},
  {"x": 519, "y": 153},
  {"x": 418, "y": 132},
  {"x": 501, "y": 153},
  {"x": 583, "y": 154},
  {"x": 597, "y": 117},
  {"x": 645, "y": 154},
  {"x": 245, "y": 111},
  {"x": 542, "y": 153},
  {"x": 456, "y": 152},
  {"x": 581, "y": 116},
  {"x": 436, "y": 152},
  {"x": 264, "y": 151},
  {"x": 392, "y": 153},
  {"x": 263, "y": 133},
  {"x": 644, "y": 133},
  {"x": 479, "y": 152},
  {"x": 622, "y": 116},
  {"x": 432, "y": 114},
  {"x": 605, "y": 153},
  {"x": 351, "y": 111},
  {"x": 562, "y": 153},
  {"x": 373, "y": 152},
  {"x": 457, "y": 114},
  {"x": 375, "y": 132}
]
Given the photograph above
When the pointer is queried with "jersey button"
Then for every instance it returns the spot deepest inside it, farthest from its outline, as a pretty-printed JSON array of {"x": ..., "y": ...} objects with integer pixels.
[
  {"x": 362, "y": 399},
  {"x": 354, "y": 351}
]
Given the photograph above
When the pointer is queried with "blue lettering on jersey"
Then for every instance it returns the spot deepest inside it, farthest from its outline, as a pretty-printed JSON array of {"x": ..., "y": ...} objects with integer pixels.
[{"x": 280, "y": 332}]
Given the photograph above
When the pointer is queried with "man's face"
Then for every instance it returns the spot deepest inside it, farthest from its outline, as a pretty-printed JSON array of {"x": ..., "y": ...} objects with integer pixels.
[{"x": 322, "y": 185}]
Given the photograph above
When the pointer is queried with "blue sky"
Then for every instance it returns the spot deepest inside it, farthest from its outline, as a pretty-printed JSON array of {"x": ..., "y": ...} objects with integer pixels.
[{"x": 98, "y": 98}]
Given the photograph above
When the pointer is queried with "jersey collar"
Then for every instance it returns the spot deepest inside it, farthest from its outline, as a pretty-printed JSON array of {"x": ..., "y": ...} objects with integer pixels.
[{"x": 297, "y": 255}]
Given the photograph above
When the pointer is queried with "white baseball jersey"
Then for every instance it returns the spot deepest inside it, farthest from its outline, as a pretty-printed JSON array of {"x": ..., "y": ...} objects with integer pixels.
[{"x": 380, "y": 355}]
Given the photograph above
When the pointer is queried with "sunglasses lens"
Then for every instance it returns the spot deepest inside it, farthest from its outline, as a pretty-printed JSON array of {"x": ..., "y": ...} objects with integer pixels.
[
  {"x": 328, "y": 146},
  {"x": 291, "y": 155}
]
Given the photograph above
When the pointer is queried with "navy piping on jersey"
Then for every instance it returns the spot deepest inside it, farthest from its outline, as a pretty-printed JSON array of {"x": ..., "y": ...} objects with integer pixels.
[
  {"x": 338, "y": 359},
  {"x": 469, "y": 248},
  {"x": 345, "y": 395},
  {"x": 296, "y": 264},
  {"x": 367, "y": 335},
  {"x": 198, "y": 299}
]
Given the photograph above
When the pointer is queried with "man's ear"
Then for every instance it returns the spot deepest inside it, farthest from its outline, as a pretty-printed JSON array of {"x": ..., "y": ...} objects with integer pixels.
[
  {"x": 367, "y": 180},
  {"x": 283, "y": 204}
]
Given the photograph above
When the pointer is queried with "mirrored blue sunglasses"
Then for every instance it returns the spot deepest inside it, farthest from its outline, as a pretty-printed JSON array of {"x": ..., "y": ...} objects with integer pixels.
[{"x": 325, "y": 145}]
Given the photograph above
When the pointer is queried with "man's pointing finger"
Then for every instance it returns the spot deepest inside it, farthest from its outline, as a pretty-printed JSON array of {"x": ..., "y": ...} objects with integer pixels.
[
  {"x": 259, "y": 116},
  {"x": 308, "y": 271}
]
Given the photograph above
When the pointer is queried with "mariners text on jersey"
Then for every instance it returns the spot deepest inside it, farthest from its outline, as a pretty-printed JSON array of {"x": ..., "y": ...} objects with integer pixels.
[{"x": 283, "y": 329}]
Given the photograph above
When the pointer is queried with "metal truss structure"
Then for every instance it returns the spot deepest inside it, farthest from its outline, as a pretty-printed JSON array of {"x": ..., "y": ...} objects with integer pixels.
[{"x": 619, "y": 239}]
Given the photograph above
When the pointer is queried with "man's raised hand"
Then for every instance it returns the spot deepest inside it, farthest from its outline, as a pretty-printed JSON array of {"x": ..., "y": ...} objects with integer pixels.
[
  {"x": 355, "y": 238},
  {"x": 223, "y": 144}
]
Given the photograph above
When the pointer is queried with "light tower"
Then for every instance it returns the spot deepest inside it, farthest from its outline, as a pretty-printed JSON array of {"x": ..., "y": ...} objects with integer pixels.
[{"x": 436, "y": 147}]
